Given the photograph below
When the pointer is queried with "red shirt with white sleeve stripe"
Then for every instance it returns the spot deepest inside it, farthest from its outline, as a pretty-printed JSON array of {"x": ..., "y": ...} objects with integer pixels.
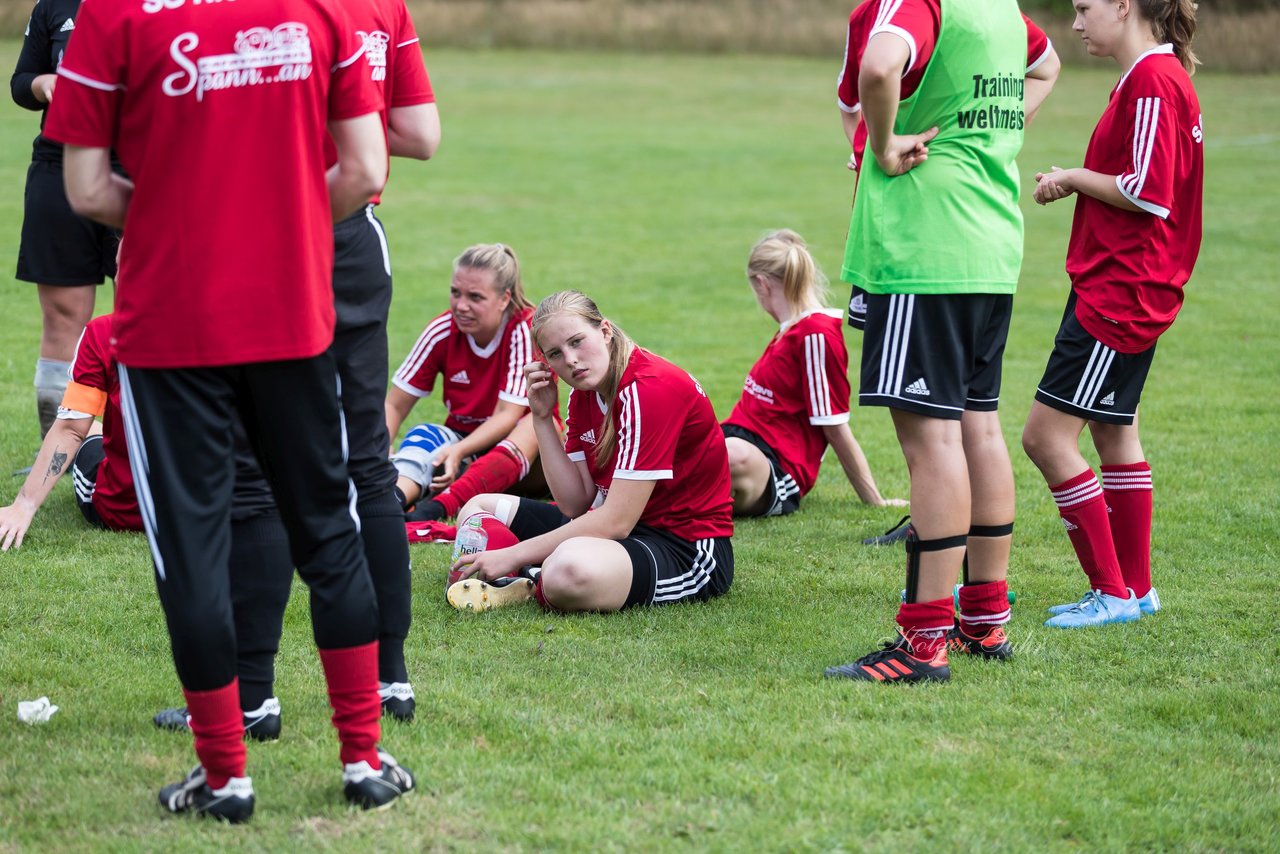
[
  {"x": 94, "y": 390},
  {"x": 917, "y": 22},
  {"x": 475, "y": 377},
  {"x": 1128, "y": 267},
  {"x": 218, "y": 112},
  {"x": 799, "y": 386},
  {"x": 667, "y": 432}
]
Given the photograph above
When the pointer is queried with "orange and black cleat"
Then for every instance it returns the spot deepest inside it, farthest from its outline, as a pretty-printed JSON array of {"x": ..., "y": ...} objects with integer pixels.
[
  {"x": 993, "y": 644},
  {"x": 895, "y": 662}
]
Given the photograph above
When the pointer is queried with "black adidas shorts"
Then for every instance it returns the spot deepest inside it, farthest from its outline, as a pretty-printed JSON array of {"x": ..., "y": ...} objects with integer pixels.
[
  {"x": 858, "y": 308},
  {"x": 1088, "y": 379},
  {"x": 783, "y": 493},
  {"x": 60, "y": 247},
  {"x": 664, "y": 568},
  {"x": 934, "y": 354}
]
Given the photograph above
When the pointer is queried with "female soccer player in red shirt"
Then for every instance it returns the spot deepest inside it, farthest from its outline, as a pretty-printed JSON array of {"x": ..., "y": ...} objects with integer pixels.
[
  {"x": 1134, "y": 241},
  {"x": 643, "y": 453},
  {"x": 795, "y": 400},
  {"x": 479, "y": 348}
]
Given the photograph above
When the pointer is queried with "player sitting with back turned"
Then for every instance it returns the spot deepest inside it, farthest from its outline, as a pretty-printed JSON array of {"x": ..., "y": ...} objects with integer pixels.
[{"x": 795, "y": 400}]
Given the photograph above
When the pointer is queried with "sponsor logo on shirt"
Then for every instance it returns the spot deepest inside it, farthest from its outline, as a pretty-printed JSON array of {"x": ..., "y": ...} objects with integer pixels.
[
  {"x": 262, "y": 56},
  {"x": 375, "y": 52},
  {"x": 588, "y": 438},
  {"x": 153, "y": 6},
  {"x": 1197, "y": 129},
  {"x": 67, "y": 26},
  {"x": 757, "y": 391},
  {"x": 460, "y": 378},
  {"x": 917, "y": 388}
]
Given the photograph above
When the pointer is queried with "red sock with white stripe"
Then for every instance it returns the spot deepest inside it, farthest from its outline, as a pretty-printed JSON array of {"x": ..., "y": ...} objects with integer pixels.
[
  {"x": 983, "y": 606},
  {"x": 496, "y": 471},
  {"x": 1128, "y": 493},
  {"x": 1084, "y": 512},
  {"x": 352, "y": 677},
  {"x": 218, "y": 728},
  {"x": 500, "y": 536},
  {"x": 925, "y": 625}
]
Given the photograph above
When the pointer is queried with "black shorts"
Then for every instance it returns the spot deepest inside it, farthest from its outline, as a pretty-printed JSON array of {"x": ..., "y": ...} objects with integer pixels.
[
  {"x": 1088, "y": 379},
  {"x": 60, "y": 247},
  {"x": 664, "y": 567},
  {"x": 782, "y": 495},
  {"x": 857, "y": 308},
  {"x": 934, "y": 354},
  {"x": 84, "y": 473}
]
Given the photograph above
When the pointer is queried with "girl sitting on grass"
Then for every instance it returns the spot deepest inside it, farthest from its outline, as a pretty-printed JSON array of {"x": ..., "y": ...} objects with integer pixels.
[{"x": 643, "y": 453}]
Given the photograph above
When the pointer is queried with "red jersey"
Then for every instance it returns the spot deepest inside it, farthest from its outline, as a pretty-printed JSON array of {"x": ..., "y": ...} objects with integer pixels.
[
  {"x": 667, "y": 432},
  {"x": 218, "y": 112},
  {"x": 918, "y": 23},
  {"x": 1128, "y": 267},
  {"x": 475, "y": 377},
  {"x": 392, "y": 59},
  {"x": 799, "y": 386},
  {"x": 94, "y": 390}
]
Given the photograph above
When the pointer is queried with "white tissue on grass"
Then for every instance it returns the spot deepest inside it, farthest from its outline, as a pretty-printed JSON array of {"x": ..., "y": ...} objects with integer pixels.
[{"x": 35, "y": 711}]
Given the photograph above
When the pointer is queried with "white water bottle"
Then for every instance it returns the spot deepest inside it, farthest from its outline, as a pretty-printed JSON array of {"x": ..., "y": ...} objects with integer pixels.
[{"x": 471, "y": 539}]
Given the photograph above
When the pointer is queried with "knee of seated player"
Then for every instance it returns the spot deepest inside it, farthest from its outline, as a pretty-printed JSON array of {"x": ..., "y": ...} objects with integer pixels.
[
  {"x": 577, "y": 575},
  {"x": 489, "y": 503},
  {"x": 739, "y": 458}
]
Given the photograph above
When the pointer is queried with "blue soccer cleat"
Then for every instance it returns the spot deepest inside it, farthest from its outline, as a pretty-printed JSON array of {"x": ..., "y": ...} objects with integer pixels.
[{"x": 1097, "y": 609}]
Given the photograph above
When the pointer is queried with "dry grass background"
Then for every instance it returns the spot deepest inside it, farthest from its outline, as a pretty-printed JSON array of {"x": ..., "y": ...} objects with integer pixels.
[{"x": 1243, "y": 41}]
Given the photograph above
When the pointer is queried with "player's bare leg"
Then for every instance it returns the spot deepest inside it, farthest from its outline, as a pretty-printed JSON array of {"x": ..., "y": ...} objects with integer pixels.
[
  {"x": 587, "y": 574},
  {"x": 940, "y": 497},
  {"x": 749, "y": 472},
  {"x": 64, "y": 313}
]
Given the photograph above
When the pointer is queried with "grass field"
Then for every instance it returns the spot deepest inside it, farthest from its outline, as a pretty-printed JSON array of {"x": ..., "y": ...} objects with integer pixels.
[{"x": 644, "y": 181}]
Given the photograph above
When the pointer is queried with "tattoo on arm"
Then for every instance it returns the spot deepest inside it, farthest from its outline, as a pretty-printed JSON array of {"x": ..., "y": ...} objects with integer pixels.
[{"x": 56, "y": 464}]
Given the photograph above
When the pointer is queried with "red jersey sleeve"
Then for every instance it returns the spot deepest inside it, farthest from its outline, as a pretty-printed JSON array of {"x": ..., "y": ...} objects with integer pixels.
[
  {"x": 1151, "y": 130},
  {"x": 573, "y": 427},
  {"x": 92, "y": 78},
  {"x": 648, "y": 432},
  {"x": 917, "y": 22},
  {"x": 417, "y": 373},
  {"x": 1038, "y": 45},
  {"x": 87, "y": 392},
  {"x": 351, "y": 94},
  {"x": 855, "y": 43},
  {"x": 519, "y": 353},
  {"x": 826, "y": 377},
  {"x": 411, "y": 85}
]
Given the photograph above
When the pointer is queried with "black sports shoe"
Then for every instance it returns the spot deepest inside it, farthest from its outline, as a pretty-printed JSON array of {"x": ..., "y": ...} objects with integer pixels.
[
  {"x": 896, "y": 534},
  {"x": 262, "y": 724},
  {"x": 993, "y": 645},
  {"x": 426, "y": 511},
  {"x": 376, "y": 790},
  {"x": 233, "y": 803},
  {"x": 397, "y": 701},
  {"x": 895, "y": 662}
]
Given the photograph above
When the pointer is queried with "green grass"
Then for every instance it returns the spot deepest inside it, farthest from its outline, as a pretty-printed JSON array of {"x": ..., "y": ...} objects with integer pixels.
[{"x": 644, "y": 181}]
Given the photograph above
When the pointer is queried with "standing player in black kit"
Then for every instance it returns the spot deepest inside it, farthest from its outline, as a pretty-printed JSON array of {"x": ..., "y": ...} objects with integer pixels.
[
  {"x": 65, "y": 255},
  {"x": 219, "y": 113}
]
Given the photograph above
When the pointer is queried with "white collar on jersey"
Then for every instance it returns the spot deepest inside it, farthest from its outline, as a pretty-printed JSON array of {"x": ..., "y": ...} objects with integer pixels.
[
  {"x": 1158, "y": 49},
  {"x": 487, "y": 351},
  {"x": 829, "y": 312}
]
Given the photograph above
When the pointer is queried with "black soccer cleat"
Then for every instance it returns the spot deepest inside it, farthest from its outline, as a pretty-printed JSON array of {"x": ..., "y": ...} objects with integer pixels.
[
  {"x": 233, "y": 803},
  {"x": 896, "y": 534},
  {"x": 993, "y": 645},
  {"x": 896, "y": 661},
  {"x": 426, "y": 511},
  {"x": 376, "y": 790},
  {"x": 397, "y": 701},
  {"x": 262, "y": 724}
]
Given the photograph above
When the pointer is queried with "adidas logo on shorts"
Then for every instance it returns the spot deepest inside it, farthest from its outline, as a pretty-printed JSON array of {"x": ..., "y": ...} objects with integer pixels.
[
  {"x": 918, "y": 387},
  {"x": 858, "y": 305},
  {"x": 1109, "y": 400},
  {"x": 461, "y": 378},
  {"x": 67, "y": 26}
]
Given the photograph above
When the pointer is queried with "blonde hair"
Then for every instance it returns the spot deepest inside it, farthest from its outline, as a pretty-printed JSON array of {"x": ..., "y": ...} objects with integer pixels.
[
  {"x": 620, "y": 349},
  {"x": 1174, "y": 22},
  {"x": 499, "y": 259},
  {"x": 783, "y": 256}
]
